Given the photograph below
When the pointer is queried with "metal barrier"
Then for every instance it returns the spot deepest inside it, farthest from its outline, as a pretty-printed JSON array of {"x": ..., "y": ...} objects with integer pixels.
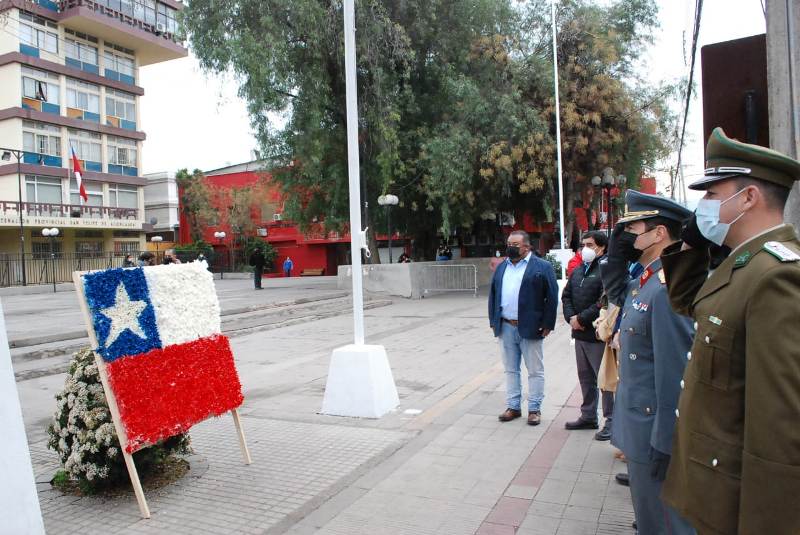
[{"x": 450, "y": 278}]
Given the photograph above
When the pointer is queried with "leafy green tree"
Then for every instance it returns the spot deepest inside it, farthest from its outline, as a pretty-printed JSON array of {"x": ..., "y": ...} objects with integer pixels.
[
  {"x": 196, "y": 201},
  {"x": 456, "y": 112}
]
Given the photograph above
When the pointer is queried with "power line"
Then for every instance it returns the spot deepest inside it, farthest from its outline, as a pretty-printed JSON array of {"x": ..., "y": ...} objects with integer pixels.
[{"x": 695, "y": 34}]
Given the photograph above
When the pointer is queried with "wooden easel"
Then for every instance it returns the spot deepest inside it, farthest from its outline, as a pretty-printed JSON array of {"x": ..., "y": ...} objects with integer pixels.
[{"x": 114, "y": 409}]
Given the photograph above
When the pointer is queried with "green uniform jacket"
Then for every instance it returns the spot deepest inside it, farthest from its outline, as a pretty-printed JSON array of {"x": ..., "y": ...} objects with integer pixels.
[{"x": 736, "y": 453}]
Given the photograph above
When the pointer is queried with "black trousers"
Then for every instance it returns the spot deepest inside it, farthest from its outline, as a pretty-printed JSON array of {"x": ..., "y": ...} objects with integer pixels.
[
  {"x": 257, "y": 272},
  {"x": 589, "y": 355}
]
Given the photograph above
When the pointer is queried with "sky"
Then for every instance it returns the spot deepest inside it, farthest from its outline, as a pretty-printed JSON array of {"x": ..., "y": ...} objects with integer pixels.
[{"x": 195, "y": 120}]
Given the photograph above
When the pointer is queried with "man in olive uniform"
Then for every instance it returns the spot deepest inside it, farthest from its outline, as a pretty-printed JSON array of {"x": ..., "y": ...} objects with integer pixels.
[
  {"x": 653, "y": 345},
  {"x": 736, "y": 457}
]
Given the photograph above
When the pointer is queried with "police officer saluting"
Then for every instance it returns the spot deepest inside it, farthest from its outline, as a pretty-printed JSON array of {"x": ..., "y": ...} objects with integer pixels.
[
  {"x": 736, "y": 458},
  {"x": 654, "y": 341}
]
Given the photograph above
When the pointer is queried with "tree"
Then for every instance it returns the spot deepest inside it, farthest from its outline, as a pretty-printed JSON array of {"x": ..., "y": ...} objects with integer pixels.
[
  {"x": 196, "y": 201},
  {"x": 455, "y": 102}
]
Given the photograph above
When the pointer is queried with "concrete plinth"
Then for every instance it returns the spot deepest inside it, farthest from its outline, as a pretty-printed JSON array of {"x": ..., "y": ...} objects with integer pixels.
[{"x": 360, "y": 383}]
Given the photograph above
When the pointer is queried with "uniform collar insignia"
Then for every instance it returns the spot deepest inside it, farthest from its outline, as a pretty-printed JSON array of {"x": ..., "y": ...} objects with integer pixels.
[
  {"x": 742, "y": 259},
  {"x": 646, "y": 274}
]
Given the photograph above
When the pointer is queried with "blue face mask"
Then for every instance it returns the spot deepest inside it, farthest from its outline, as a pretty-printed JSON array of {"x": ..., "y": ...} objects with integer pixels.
[{"x": 708, "y": 222}]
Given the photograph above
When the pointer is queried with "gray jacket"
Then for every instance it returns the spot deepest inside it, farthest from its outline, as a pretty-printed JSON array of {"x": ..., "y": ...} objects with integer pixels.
[{"x": 654, "y": 341}]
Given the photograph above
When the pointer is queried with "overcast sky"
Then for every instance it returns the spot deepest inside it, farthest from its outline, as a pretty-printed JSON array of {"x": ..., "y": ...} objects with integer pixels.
[{"x": 198, "y": 121}]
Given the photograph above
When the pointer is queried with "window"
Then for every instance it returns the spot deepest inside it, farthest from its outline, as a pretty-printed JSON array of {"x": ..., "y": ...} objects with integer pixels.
[
  {"x": 83, "y": 96},
  {"x": 116, "y": 62},
  {"x": 40, "y": 85},
  {"x": 121, "y": 151},
  {"x": 36, "y": 32},
  {"x": 87, "y": 145},
  {"x": 120, "y": 104},
  {"x": 123, "y": 196},
  {"x": 89, "y": 248},
  {"x": 94, "y": 190},
  {"x": 126, "y": 247},
  {"x": 40, "y": 138},
  {"x": 43, "y": 189},
  {"x": 41, "y": 249},
  {"x": 79, "y": 51},
  {"x": 166, "y": 17}
]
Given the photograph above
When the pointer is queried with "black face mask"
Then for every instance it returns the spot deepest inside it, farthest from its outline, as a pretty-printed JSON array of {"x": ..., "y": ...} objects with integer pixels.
[
  {"x": 512, "y": 252},
  {"x": 625, "y": 246}
]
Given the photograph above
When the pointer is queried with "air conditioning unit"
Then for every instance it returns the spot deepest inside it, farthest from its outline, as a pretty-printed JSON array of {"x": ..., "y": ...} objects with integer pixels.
[
  {"x": 277, "y": 217},
  {"x": 161, "y": 28},
  {"x": 261, "y": 232}
]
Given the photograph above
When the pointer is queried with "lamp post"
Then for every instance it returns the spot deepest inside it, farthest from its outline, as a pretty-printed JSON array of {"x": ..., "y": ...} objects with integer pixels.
[
  {"x": 606, "y": 184},
  {"x": 388, "y": 201},
  {"x": 221, "y": 236},
  {"x": 156, "y": 240},
  {"x": 51, "y": 233},
  {"x": 18, "y": 154}
]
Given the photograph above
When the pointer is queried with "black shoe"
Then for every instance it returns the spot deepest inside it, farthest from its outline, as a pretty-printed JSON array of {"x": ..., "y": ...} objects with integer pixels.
[
  {"x": 604, "y": 434},
  {"x": 580, "y": 423},
  {"x": 623, "y": 479},
  {"x": 634, "y": 526}
]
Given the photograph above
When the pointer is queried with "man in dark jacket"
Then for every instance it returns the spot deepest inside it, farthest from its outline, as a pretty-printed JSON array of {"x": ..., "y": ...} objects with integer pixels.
[
  {"x": 523, "y": 301},
  {"x": 257, "y": 260},
  {"x": 581, "y": 306}
]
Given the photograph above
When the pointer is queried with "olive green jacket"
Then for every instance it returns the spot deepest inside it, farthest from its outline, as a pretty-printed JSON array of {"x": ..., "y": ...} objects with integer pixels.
[{"x": 735, "y": 467}]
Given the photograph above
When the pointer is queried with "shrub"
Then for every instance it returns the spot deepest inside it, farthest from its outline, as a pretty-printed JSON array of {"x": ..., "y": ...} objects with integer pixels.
[
  {"x": 555, "y": 263},
  {"x": 84, "y": 437}
]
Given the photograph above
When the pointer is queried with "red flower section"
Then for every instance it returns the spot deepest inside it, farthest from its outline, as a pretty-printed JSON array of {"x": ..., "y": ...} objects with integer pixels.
[{"x": 164, "y": 392}]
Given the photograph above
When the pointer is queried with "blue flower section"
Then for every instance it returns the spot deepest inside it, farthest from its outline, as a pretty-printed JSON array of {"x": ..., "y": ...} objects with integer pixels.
[{"x": 101, "y": 293}]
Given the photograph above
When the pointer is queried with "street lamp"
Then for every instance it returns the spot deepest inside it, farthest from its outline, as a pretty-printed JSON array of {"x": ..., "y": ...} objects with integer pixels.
[
  {"x": 607, "y": 183},
  {"x": 156, "y": 240},
  {"x": 388, "y": 201},
  {"x": 51, "y": 233},
  {"x": 221, "y": 236},
  {"x": 6, "y": 157}
]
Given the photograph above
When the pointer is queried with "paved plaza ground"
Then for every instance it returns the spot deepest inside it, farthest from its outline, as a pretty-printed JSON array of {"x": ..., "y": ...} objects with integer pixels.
[{"x": 440, "y": 464}]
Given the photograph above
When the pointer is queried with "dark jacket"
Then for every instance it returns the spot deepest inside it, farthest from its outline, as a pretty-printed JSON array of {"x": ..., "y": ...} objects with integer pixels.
[
  {"x": 538, "y": 299},
  {"x": 581, "y": 297},
  {"x": 257, "y": 260}
]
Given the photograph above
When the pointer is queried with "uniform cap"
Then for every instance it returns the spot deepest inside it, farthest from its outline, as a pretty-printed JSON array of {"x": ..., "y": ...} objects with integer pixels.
[
  {"x": 727, "y": 158},
  {"x": 640, "y": 206}
]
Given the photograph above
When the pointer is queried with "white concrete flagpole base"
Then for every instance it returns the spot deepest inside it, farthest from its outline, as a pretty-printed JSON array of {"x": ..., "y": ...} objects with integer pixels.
[{"x": 360, "y": 383}]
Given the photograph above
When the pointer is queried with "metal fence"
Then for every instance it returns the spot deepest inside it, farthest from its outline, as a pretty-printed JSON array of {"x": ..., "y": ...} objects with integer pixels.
[{"x": 450, "y": 278}]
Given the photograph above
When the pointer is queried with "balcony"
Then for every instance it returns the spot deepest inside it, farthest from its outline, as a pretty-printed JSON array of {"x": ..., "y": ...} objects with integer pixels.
[
  {"x": 69, "y": 215},
  {"x": 126, "y": 23}
]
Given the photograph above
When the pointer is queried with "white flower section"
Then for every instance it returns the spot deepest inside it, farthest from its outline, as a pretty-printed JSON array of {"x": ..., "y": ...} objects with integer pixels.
[
  {"x": 123, "y": 315},
  {"x": 185, "y": 302}
]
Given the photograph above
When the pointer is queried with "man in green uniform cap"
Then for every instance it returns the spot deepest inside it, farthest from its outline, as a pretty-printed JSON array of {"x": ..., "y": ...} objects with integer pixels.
[{"x": 735, "y": 464}]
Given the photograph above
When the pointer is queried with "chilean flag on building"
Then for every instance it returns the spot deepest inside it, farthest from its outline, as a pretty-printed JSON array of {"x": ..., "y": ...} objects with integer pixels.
[
  {"x": 76, "y": 166},
  {"x": 158, "y": 329}
]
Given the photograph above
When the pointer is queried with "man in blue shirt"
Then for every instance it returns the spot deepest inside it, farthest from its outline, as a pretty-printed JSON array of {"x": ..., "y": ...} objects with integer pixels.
[{"x": 522, "y": 311}]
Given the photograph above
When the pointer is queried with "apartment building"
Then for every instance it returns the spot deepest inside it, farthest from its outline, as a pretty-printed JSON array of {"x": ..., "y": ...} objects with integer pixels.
[{"x": 69, "y": 75}]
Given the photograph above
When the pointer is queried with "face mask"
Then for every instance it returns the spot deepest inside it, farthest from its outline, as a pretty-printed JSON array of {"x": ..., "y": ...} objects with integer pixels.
[
  {"x": 708, "y": 222},
  {"x": 626, "y": 248},
  {"x": 497, "y": 254},
  {"x": 512, "y": 252},
  {"x": 649, "y": 246},
  {"x": 588, "y": 255}
]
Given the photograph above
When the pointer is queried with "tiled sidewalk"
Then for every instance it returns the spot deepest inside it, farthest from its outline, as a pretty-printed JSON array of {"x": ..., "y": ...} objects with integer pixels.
[{"x": 565, "y": 487}]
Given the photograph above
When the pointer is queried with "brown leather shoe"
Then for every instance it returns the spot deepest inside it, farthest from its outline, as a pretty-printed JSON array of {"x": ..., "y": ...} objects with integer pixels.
[
  {"x": 534, "y": 418},
  {"x": 509, "y": 415}
]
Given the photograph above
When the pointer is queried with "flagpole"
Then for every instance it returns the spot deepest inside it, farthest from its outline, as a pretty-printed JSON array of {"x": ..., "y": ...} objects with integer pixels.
[
  {"x": 558, "y": 141},
  {"x": 356, "y": 237}
]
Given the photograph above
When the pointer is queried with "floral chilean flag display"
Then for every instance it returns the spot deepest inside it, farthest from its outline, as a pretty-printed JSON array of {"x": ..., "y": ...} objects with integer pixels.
[{"x": 158, "y": 332}]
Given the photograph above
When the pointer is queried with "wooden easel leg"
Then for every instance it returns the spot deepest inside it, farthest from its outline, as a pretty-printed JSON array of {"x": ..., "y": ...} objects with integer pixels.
[
  {"x": 137, "y": 485},
  {"x": 240, "y": 431}
]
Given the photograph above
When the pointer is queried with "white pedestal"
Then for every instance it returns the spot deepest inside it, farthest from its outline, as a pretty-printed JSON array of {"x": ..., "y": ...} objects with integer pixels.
[
  {"x": 19, "y": 503},
  {"x": 360, "y": 383}
]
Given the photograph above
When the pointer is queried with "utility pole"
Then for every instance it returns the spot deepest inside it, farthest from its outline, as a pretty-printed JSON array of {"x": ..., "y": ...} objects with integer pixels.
[{"x": 783, "y": 64}]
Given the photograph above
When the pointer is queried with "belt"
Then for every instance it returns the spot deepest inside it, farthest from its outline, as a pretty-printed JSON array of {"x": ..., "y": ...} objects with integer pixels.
[{"x": 512, "y": 322}]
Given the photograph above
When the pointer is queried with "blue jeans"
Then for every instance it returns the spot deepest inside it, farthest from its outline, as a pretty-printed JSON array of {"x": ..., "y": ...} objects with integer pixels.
[{"x": 515, "y": 349}]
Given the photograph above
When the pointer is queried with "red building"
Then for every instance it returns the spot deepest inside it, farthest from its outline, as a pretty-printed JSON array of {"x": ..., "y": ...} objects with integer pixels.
[{"x": 312, "y": 250}]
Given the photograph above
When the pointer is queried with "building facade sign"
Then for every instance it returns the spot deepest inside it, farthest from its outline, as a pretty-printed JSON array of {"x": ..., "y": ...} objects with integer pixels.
[{"x": 70, "y": 222}]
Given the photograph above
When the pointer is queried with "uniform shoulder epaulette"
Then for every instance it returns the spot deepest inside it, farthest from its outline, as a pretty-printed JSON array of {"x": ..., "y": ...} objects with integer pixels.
[
  {"x": 781, "y": 252},
  {"x": 662, "y": 277}
]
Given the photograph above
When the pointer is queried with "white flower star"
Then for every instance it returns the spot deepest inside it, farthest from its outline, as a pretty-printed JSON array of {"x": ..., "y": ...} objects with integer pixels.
[{"x": 124, "y": 315}]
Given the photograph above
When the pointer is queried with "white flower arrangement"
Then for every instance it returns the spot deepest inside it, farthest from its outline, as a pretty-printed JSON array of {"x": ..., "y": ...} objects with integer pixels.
[{"x": 84, "y": 437}]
